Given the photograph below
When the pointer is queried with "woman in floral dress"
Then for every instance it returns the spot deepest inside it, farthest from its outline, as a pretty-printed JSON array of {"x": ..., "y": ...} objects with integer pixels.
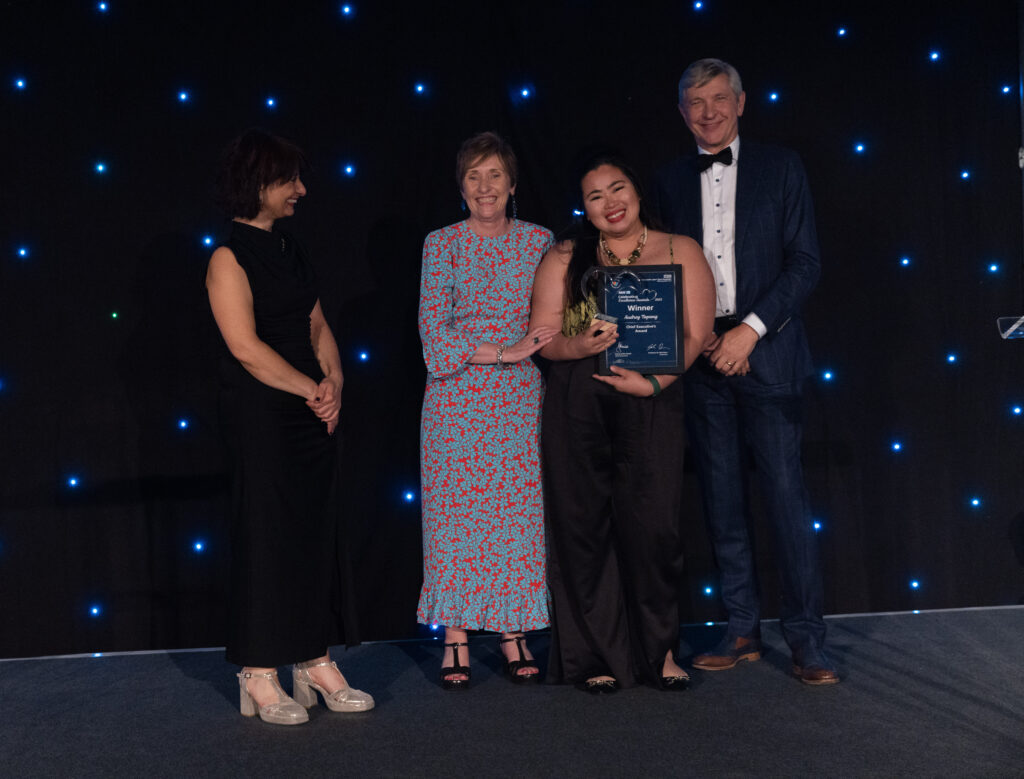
[{"x": 483, "y": 518}]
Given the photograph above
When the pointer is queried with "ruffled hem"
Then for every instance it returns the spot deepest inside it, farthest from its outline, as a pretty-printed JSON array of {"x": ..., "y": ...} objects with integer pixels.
[{"x": 526, "y": 613}]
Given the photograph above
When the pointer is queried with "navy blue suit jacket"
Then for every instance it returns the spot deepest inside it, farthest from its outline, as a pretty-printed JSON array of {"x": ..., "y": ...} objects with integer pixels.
[{"x": 777, "y": 257}]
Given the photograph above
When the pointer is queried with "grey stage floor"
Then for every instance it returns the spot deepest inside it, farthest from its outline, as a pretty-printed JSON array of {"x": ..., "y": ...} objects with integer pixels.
[{"x": 931, "y": 694}]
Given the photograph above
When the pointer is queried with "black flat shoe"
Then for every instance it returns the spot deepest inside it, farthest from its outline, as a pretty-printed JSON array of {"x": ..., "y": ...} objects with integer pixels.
[
  {"x": 456, "y": 668},
  {"x": 599, "y": 686},
  {"x": 513, "y": 667},
  {"x": 675, "y": 683}
]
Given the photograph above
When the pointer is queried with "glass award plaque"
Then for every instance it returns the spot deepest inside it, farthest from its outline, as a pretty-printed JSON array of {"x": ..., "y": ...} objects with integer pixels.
[
  {"x": 647, "y": 303},
  {"x": 1010, "y": 327}
]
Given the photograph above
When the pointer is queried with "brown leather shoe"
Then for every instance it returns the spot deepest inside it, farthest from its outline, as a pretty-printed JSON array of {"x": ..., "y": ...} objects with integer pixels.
[
  {"x": 815, "y": 674},
  {"x": 728, "y": 653}
]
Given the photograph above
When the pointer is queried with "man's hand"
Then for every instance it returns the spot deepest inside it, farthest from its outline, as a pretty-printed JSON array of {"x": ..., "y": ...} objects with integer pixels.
[{"x": 730, "y": 352}]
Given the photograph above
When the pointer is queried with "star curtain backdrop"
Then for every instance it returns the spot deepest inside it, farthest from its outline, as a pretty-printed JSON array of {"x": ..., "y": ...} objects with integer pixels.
[{"x": 113, "y": 486}]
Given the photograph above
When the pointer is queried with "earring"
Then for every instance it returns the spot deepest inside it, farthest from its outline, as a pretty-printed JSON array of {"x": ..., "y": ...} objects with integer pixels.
[
  {"x": 463, "y": 204},
  {"x": 515, "y": 213}
]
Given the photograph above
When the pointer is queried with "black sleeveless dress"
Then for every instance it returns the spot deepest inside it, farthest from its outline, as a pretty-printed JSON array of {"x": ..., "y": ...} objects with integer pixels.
[{"x": 283, "y": 472}]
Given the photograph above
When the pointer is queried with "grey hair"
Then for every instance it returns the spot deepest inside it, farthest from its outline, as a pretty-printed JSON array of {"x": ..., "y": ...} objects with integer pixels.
[{"x": 702, "y": 71}]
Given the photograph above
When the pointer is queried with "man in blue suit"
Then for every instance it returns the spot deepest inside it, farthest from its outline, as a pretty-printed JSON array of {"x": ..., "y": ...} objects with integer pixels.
[{"x": 750, "y": 208}]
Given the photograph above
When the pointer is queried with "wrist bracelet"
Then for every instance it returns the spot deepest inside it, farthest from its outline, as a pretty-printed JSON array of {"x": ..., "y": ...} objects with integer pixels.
[
  {"x": 501, "y": 350},
  {"x": 654, "y": 383}
]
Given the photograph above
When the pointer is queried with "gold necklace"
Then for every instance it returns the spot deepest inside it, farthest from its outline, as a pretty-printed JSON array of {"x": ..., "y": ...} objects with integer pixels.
[{"x": 632, "y": 257}]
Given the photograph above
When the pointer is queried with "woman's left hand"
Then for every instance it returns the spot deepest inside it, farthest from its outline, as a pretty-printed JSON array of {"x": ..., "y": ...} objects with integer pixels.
[
  {"x": 327, "y": 403},
  {"x": 535, "y": 340},
  {"x": 627, "y": 382}
]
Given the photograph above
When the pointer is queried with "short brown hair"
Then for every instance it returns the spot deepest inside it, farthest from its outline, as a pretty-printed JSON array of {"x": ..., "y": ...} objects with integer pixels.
[
  {"x": 699, "y": 73},
  {"x": 252, "y": 161},
  {"x": 481, "y": 146}
]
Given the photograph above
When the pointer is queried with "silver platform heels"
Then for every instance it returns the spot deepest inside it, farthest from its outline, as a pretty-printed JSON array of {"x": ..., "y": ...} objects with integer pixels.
[
  {"x": 284, "y": 711},
  {"x": 344, "y": 699}
]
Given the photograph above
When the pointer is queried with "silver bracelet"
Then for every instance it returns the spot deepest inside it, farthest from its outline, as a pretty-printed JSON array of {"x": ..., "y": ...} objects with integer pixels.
[{"x": 501, "y": 351}]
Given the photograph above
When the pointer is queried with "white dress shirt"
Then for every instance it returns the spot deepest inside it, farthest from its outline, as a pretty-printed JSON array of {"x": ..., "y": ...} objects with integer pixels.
[{"x": 718, "y": 209}]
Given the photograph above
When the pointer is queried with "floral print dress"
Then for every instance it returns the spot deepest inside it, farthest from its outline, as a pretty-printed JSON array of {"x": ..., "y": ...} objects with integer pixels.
[{"x": 483, "y": 513}]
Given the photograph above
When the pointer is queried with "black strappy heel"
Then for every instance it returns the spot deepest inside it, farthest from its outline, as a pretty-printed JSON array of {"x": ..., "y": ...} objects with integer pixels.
[
  {"x": 512, "y": 667},
  {"x": 455, "y": 668}
]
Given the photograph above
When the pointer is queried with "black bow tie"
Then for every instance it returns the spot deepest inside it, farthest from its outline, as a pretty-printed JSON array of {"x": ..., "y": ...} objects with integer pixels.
[{"x": 705, "y": 161}]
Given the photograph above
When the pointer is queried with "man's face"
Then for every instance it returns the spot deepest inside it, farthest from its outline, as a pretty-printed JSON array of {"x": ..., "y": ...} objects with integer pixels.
[{"x": 712, "y": 112}]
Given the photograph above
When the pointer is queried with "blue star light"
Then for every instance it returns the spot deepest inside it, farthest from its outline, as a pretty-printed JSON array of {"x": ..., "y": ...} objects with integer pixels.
[
  {"x": 100, "y": 167},
  {"x": 993, "y": 267},
  {"x": 860, "y": 148},
  {"x": 773, "y": 96},
  {"x": 897, "y": 446},
  {"x": 965, "y": 174},
  {"x": 347, "y": 9},
  {"x": 915, "y": 584},
  {"x": 934, "y": 55},
  {"x": 827, "y": 375},
  {"x": 349, "y": 169},
  {"x": 271, "y": 102},
  {"x": 409, "y": 496},
  {"x": 19, "y": 83},
  {"x": 904, "y": 261},
  {"x": 841, "y": 32}
]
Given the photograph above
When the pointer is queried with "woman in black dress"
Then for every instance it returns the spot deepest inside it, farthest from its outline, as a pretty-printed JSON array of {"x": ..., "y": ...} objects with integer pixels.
[
  {"x": 280, "y": 380},
  {"x": 612, "y": 448}
]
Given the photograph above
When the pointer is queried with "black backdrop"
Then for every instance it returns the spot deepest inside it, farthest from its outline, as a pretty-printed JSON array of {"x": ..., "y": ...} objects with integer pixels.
[{"x": 100, "y": 398}]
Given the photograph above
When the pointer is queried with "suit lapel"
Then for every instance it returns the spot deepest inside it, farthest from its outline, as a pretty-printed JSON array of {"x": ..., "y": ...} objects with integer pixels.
[
  {"x": 691, "y": 183},
  {"x": 748, "y": 180}
]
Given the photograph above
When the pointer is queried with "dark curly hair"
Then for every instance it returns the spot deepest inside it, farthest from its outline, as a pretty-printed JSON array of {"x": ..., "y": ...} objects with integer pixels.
[{"x": 252, "y": 161}]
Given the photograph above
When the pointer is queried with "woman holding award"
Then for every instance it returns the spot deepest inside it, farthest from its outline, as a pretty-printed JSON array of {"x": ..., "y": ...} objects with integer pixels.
[
  {"x": 483, "y": 514},
  {"x": 613, "y": 450}
]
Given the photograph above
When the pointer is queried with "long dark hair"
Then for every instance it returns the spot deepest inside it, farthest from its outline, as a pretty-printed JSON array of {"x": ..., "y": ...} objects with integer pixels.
[{"x": 583, "y": 234}]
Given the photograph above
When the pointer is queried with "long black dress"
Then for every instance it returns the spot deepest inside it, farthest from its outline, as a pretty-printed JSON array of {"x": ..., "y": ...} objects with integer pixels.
[
  {"x": 613, "y": 467},
  {"x": 283, "y": 472}
]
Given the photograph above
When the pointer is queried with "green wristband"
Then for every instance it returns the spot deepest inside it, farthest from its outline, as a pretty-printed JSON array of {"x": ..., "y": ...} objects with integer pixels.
[{"x": 654, "y": 383}]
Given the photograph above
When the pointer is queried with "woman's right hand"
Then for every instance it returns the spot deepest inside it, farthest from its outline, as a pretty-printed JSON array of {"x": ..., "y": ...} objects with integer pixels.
[{"x": 595, "y": 339}]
